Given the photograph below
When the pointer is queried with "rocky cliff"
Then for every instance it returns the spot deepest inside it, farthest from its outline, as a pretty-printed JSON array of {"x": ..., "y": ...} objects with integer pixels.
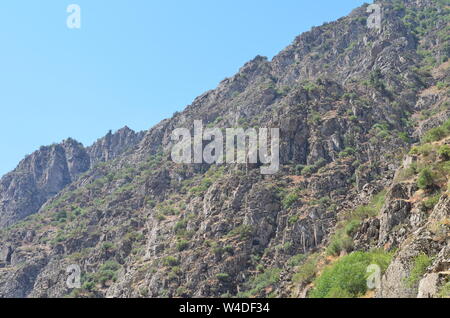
[
  {"x": 350, "y": 102},
  {"x": 47, "y": 171}
]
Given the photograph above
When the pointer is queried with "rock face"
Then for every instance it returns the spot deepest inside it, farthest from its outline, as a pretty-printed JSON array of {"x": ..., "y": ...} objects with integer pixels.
[
  {"x": 46, "y": 172},
  {"x": 348, "y": 100},
  {"x": 39, "y": 177},
  {"x": 420, "y": 240},
  {"x": 113, "y": 145}
]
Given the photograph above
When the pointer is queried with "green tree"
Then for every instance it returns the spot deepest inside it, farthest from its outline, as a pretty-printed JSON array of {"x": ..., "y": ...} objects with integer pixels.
[
  {"x": 426, "y": 179},
  {"x": 348, "y": 276},
  {"x": 444, "y": 152}
]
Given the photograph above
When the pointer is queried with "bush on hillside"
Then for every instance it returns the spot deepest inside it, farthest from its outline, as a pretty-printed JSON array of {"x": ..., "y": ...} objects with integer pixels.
[{"x": 348, "y": 276}]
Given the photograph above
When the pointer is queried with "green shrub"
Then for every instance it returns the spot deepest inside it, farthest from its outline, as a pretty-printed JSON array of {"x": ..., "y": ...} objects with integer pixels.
[
  {"x": 420, "y": 265},
  {"x": 435, "y": 134},
  {"x": 383, "y": 134},
  {"x": 322, "y": 201},
  {"x": 143, "y": 291},
  {"x": 336, "y": 292},
  {"x": 404, "y": 136},
  {"x": 151, "y": 203},
  {"x": 430, "y": 203},
  {"x": 217, "y": 250},
  {"x": 261, "y": 281},
  {"x": 310, "y": 87},
  {"x": 182, "y": 245},
  {"x": 299, "y": 168},
  {"x": 376, "y": 80},
  {"x": 441, "y": 85},
  {"x": 296, "y": 260},
  {"x": 60, "y": 216},
  {"x": 293, "y": 219},
  {"x": 352, "y": 226},
  {"x": 444, "y": 292},
  {"x": 108, "y": 246},
  {"x": 424, "y": 150},
  {"x": 203, "y": 187},
  {"x": 106, "y": 276},
  {"x": 426, "y": 179},
  {"x": 180, "y": 227},
  {"x": 166, "y": 210},
  {"x": 308, "y": 170},
  {"x": 407, "y": 173},
  {"x": 260, "y": 268},
  {"x": 348, "y": 276},
  {"x": 306, "y": 272},
  {"x": 223, "y": 277},
  {"x": 371, "y": 209},
  {"x": 110, "y": 265},
  {"x": 346, "y": 152},
  {"x": 88, "y": 285},
  {"x": 244, "y": 231},
  {"x": 446, "y": 125},
  {"x": 340, "y": 242},
  {"x": 314, "y": 118},
  {"x": 107, "y": 272},
  {"x": 228, "y": 249},
  {"x": 289, "y": 200},
  {"x": 171, "y": 261},
  {"x": 320, "y": 163},
  {"x": 444, "y": 152},
  {"x": 88, "y": 281}
]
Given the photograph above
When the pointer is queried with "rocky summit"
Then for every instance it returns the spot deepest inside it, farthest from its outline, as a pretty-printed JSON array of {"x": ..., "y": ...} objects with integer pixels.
[{"x": 360, "y": 206}]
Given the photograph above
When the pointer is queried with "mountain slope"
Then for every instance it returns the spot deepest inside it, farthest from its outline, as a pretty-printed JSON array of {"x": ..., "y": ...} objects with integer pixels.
[
  {"x": 349, "y": 102},
  {"x": 46, "y": 172}
]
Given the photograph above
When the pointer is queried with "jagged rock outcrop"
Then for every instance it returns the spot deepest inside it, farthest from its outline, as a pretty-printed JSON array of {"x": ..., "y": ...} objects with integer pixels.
[
  {"x": 420, "y": 241},
  {"x": 113, "y": 145},
  {"x": 348, "y": 100},
  {"x": 46, "y": 172},
  {"x": 39, "y": 177}
]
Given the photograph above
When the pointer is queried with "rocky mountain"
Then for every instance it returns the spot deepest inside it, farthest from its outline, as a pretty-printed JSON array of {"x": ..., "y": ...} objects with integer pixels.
[{"x": 363, "y": 181}]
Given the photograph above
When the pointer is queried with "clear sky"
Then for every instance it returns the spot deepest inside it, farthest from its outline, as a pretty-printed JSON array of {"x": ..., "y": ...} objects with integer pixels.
[{"x": 133, "y": 62}]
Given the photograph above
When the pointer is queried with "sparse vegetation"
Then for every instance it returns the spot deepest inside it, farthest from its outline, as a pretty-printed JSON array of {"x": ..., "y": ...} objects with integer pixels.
[
  {"x": 243, "y": 231},
  {"x": 223, "y": 277},
  {"x": 258, "y": 283},
  {"x": 444, "y": 292},
  {"x": 420, "y": 265},
  {"x": 437, "y": 133},
  {"x": 296, "y": 260},
  {"x": 171, "y": 261},
  {"x": 307, "y": 270},
  {"x": 106, "y": 274},
  {"x": 182, "y": 245},
  {"x": 342, "y": 240},
  {"x": 444, "y": 152},
  {"x": 183, "y": 229},
  {"x": 347, "y": 152},
  {"x": 430, "y": 203},
  {"x": 426, "y": 180},
  {"x": 289, "y": 200}
]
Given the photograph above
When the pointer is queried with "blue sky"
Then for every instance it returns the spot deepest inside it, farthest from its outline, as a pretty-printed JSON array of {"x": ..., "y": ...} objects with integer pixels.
[{"x": 132, "y": 63}]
